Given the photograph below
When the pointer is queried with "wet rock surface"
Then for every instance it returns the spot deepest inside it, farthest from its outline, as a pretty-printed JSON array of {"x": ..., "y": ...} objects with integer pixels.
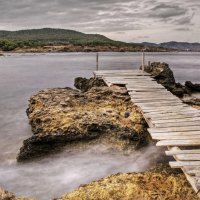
[
  {"x": 62, "y": 115},
  {"x": 160, "y": 182}
]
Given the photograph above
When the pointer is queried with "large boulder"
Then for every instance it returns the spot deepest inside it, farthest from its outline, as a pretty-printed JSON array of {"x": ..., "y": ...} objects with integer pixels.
[{"x": 60, "y": 116}]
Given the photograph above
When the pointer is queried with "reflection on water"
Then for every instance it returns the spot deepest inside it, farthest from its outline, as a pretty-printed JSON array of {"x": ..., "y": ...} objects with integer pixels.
[{"x": 22, "y": 76}]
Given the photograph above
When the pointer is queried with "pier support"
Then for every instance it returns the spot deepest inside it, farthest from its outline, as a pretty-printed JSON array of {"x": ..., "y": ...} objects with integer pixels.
[
  {"x": 97, "y": 61},
  {"x": 143, "y": 60}
]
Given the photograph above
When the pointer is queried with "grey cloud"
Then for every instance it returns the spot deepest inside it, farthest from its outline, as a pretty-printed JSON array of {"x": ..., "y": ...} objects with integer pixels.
[
  {"x": 167, "y": 11},
  {"x": 92, "y": 16},
  {"x": 184, "y": 20}
]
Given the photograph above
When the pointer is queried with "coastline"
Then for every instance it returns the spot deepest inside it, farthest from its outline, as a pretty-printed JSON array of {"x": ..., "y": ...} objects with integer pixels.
[{"x": 86, "y": 48}]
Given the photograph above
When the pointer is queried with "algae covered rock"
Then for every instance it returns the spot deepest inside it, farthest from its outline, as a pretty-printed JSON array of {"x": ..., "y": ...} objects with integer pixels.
[
  {"x": 62, "y": 115},
  {"x": 160, "y": 183}
]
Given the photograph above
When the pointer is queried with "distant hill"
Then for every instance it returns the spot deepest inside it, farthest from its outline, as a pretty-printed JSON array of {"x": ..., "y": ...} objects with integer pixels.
[
  {"x": 185, "y": 46},
  {"x": 10, "y": 40},
  {"x": 51, "y": 35}
]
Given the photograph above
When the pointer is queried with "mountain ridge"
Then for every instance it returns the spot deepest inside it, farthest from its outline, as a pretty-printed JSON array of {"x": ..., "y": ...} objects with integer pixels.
[{"x": 185, "y": 46}]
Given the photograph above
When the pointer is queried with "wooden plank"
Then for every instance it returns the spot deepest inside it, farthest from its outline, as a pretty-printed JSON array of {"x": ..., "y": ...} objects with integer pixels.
[
  {"x": 142, "y": 89},
  {"x": 178, "y": 124},
  {"x": 175, "y": 137},
  {"x": 169, "y": 116},
  {"x": 192, "y": 172},
  {"x": 193, "y": 142},
  {"x": 188, "y": 157},
  {"x": 163, "y": 108},
  {"x": 151, "y": 93},
  {"x": 156, "y": 105},
  {"x": 182, "y": 111},
  {"x": 180, "y": 164},
  {"x": 175, "y": 129},
  {"x": 146, "y": 100},
  {"x": 149, "y": 87},
  {"x": 179, "y": 152},
  {"x": 160, "y": 103},
  {"x": 168, "y": 107},
  {"x": 158, "y": 99},
  {"x": 137, "y": 85},
  {"x": 121, "y": 72},
  {"x": 154, "y": 134},
  {"x": 172, "y": 119}
]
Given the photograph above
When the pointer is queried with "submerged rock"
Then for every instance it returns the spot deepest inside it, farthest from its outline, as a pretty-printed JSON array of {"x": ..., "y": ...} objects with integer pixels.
[
  {"x": 161, "y": 183},
  {"x": 1, "y": 54},
  {"x": 62, "y": 115}
]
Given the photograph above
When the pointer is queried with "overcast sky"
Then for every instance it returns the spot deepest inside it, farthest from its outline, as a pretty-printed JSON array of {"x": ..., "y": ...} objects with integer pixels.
[{"x": 131, "y": 21}]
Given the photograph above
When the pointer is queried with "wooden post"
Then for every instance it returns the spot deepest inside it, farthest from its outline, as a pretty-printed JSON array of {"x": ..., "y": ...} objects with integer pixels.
[
  {"x": 143, "y": 60},
  {"x": 97, "y": 61},
  {"x": 149, "y": 63}
]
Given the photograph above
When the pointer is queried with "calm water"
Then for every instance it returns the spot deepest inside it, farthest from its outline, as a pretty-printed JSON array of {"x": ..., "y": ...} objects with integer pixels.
[{"x": 23, "y": 75}]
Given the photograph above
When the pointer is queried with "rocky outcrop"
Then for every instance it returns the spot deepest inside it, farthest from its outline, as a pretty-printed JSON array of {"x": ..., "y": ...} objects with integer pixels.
[
  {"x": 62, "y": 115},
  {"x": 85, "y": 84},
  {"x": 161, "y": 182},
  {"x": 164, "y": 75},
  {"x": 193, "y": 87},
  {"x": 5, "y": 195}
]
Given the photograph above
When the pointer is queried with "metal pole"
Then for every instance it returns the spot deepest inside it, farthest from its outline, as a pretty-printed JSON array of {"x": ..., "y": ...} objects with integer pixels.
[{"x": 97, "y": 61}]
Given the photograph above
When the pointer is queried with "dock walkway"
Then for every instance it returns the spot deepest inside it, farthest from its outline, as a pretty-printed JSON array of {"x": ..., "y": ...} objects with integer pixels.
[{"x": 171, "y": 122}]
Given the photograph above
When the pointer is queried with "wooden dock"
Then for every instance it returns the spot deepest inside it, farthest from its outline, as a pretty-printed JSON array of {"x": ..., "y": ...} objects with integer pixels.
[{"x": 171, "y": 122}]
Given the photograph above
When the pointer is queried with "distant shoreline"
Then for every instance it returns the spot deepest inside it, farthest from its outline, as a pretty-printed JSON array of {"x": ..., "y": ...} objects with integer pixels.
[{"x": 86, "y": 48}]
